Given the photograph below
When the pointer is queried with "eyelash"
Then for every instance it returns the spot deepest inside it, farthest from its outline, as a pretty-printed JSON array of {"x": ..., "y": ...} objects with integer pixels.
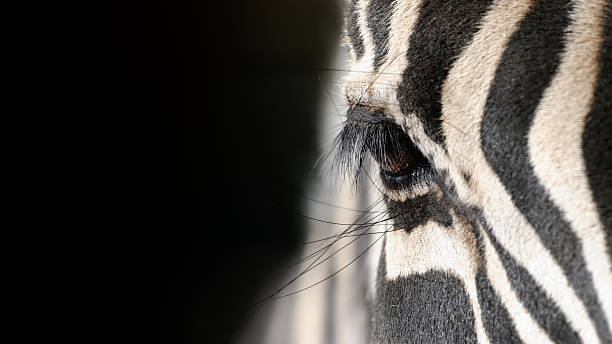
[{"x": 369, "y": 131}]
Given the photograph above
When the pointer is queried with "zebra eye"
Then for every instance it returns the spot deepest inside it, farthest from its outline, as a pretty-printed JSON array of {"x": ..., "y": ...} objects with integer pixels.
[
  {"x": 371, "y": 130},
  {"x": 402, "y": 165},
  {"x": 396, "y": 164}
]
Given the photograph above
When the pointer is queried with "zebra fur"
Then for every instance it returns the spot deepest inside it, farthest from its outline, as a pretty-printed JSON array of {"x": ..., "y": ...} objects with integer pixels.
[{"x": 510, "y": 102}]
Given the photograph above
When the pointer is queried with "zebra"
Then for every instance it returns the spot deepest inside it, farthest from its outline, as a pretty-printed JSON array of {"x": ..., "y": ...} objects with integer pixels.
[{"x": 490, "y": 122}]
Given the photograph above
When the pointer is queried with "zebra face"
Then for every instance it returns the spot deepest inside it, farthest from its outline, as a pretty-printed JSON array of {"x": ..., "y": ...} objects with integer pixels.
[{"x": 490, "y": 122}]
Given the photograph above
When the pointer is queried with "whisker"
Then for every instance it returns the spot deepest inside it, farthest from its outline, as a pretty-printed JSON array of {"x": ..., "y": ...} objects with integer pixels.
[
  {"x": 341, "y": 207},
  {"x": 348, "y": 230},
  {"x": 322, "y": 251},
  {"x": 331, "y": 100},
  {"x": 331, "y": 69},
  {"x": 331, "y": 275}
]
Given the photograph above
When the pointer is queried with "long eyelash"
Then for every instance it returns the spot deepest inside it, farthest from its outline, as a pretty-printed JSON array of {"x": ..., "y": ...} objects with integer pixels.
[{"x": 366, "y": 131}]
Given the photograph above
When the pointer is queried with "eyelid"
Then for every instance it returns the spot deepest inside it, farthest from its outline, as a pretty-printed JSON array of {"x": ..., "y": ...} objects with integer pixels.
[
  {"x": 367, "y": 114},
  {"x": 366, "y": 130}
]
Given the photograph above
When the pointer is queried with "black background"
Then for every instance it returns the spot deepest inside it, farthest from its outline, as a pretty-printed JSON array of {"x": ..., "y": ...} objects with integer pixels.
[{"x": 217, "y": 114}]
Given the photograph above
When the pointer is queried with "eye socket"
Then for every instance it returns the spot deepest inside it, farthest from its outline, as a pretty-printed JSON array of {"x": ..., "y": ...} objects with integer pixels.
[{"x": 402, "y": 165}]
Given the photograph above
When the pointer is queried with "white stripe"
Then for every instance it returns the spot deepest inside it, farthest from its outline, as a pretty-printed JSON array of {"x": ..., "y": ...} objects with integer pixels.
[
  {"x": 527, "y": 328},
  {"x": 555, "y": 142},
  {"x": 463, "y": 98},
  {"x": 434, "y": 247},
  {"x": 367, "y": 60},
  {"x": 379, "y": 89}
]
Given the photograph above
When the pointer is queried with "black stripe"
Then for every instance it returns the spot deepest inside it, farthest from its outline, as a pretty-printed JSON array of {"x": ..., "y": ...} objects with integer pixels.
[
  {"x": 352, "y": 29},
  {"x": 543, "y": 309},
  {"x": 379, "y": 23},
  {"x": 495, "y": 319},
  {"x": 417, "y": 211},
  {"x": 443, "y": 30},
  {"x": 597, "y": 135},
  {"x": 525, "y": 70},
  {"x": 500, "y": 327},
  {"x": 423, "y": 308}
]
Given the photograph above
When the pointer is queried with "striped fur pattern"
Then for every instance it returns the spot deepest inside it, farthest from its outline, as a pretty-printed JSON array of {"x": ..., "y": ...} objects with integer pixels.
[{"x": 509, "y": 238}]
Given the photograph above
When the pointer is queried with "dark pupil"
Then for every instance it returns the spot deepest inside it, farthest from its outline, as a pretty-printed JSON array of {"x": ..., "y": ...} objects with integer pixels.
[
  {"x": 395, "y": 164},
  {"x": 394, "y": 151}
]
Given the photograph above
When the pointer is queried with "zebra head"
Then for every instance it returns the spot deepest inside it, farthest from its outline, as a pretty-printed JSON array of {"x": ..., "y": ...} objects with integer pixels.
[{"x": 490, "y": 121}]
